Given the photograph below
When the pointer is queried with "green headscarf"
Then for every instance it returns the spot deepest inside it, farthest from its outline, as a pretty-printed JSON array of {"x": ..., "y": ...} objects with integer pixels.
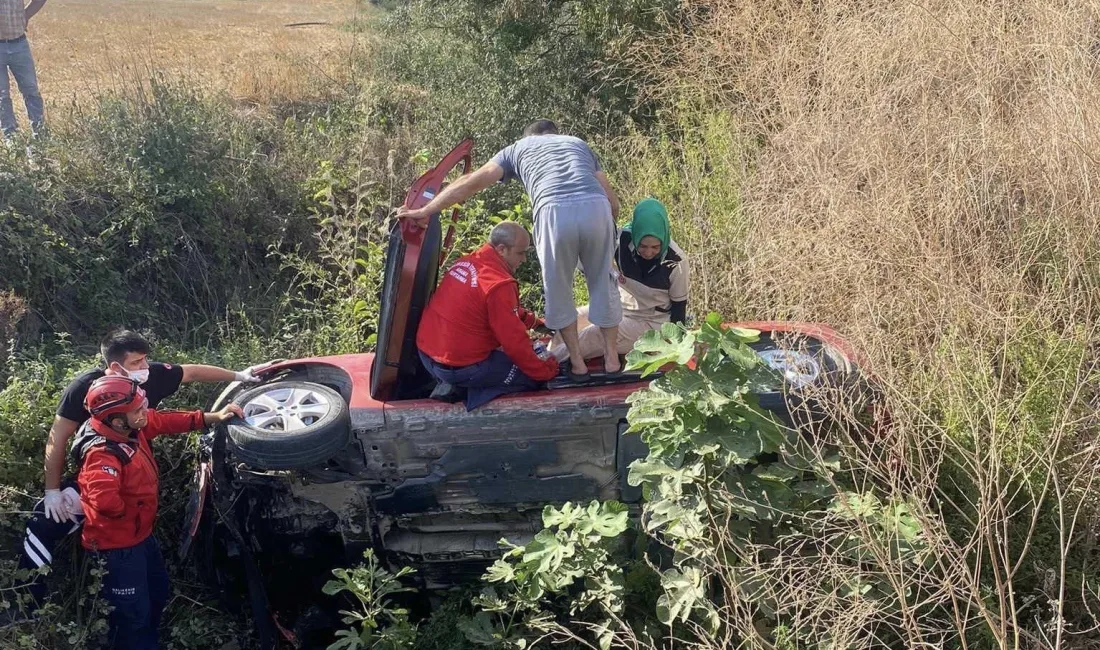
[{"x": 650, "y": 219}]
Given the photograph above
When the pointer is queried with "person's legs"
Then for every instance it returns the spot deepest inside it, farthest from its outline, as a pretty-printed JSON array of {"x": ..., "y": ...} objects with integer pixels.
[
  {"x": 589, "y": 338},
  {"x": 160, "y": 587},
  {"x": 597, "y": 247},
  {"x": 7, "y": 112},
  {"x": 495, "y": 376},
  {"x": 557, "y": 243},
  {"x": 22, "y": 68},
  {"x": 126, "y": 589},
  {"x": 630, "y": 330},
  {"x": 39, "y": 542}
]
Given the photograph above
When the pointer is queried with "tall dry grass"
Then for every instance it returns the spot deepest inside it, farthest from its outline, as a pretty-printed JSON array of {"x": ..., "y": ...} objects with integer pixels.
[{"x": 925, "y": 177}]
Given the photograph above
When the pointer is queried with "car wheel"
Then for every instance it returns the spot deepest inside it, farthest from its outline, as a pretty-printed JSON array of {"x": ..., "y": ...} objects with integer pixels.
[{"x": 289, "y": 425}]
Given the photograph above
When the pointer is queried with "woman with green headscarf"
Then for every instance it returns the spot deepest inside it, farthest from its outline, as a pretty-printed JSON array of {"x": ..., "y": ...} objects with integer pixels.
[{"x": 652, "y": 275}]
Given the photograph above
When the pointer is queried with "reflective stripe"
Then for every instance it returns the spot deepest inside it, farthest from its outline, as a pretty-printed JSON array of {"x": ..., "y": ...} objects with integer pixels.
[
  {"x": 38, "y": 562},
  {"x": 33, "y": 539}
]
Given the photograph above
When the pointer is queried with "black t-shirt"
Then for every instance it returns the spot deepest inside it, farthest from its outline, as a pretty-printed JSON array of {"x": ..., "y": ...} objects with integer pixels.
[{"x": 164, "y": 380}]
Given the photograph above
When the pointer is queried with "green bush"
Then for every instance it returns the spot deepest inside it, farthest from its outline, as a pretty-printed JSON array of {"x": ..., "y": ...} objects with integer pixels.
[
  {"x": 487, "y": 69},
  {"x": 157, "y": 208}
]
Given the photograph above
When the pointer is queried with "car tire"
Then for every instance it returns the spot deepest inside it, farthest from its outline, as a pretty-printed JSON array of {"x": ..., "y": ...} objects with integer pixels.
[{"x": 289, "y": 425}]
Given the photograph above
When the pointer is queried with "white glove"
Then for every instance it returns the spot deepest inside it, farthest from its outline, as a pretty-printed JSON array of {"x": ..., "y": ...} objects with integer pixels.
[
  {"x": 245, "y": 376},
  {"x": 250, "y": 375},
  {"x": 72, "y": 501},
  {"x": 55, "y": 506}
]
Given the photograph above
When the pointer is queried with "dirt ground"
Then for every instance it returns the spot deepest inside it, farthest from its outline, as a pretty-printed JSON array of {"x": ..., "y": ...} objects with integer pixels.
[{"x": 83, "y": 47}]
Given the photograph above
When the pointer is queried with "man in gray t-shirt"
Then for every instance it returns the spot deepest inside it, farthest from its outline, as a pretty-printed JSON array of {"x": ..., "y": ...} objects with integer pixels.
[{"x": 575, "y": 211}]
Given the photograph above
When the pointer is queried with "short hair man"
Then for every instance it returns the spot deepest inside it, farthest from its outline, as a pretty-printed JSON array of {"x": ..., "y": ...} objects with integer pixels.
[
  {"x": 125, "y": 354},
  {"x": 473, "y": 333},
  {"x": 575, "y": 211},
  {"x": 15, "y": 55}
]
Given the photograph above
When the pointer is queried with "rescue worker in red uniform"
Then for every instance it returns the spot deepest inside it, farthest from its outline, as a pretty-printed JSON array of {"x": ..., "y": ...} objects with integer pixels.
[
  {"x": 474, "y": 334},
  {"x": 118, "y": 491}
]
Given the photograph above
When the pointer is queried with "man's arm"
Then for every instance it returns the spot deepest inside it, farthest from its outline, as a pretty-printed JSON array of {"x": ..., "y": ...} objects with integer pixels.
[
  {"x": 32, "y": 8},
  {"x": 100, "y": 483},
  {"x": 61, "y": 432},
  {"x": 214, "y": 374},
  {"x": 612, "y": 198},
  {"x": 457, "y": 192},
  {"x": 512, "y": 334},
  {"x": 163, "y": 423},
  {"x": 206, "y": 374}
]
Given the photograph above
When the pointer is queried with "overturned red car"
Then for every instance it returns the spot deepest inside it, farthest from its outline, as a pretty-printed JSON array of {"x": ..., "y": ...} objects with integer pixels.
[{"x": 339, "y": 454}]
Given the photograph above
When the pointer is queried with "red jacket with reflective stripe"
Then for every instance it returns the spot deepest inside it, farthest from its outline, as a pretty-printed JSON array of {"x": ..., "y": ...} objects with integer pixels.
[
  {"x": 120, "y": 499},
  {"x": 476, "y": 310}
]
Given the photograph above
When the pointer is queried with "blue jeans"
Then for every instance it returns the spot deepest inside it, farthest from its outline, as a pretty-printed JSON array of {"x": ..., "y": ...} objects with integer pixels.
[
  {"x": 17, "y": 58},
  {"x": 137, "y": 586},
  {"x": 484, "y": 380}
]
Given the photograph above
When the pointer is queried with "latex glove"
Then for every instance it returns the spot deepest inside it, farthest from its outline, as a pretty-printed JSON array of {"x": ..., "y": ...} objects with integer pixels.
[
  {"x": 55, "y": 506},
  {"x": 72, "y": 501},
  {"x": 245, "y": 376},
  {"x": 252, "y": 374}
]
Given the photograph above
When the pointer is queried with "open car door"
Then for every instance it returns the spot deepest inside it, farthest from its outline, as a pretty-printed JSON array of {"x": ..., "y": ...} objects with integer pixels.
[{"x": 413, "y": 256}]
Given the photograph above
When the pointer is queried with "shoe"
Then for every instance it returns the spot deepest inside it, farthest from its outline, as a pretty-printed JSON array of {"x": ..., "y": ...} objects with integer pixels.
[
  {"x": 566, "y": 368},
  {"x": 448, "y": 393},
  {"x": 578, "y": 377}
]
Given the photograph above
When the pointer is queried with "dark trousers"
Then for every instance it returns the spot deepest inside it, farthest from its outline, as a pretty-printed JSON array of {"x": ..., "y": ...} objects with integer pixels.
[
  {"x": 137, "y": 586},
  {"x": 484, "y": 380},
  {"x": 39, "y": 542}
]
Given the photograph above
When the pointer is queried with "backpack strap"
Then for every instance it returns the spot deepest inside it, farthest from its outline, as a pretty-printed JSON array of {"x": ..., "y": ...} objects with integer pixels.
[{"x": 87, "y": 438}]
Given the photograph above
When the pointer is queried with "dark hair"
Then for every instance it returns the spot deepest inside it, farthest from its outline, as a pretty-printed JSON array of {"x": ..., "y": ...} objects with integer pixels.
[
  {"x": 541, "y": 127},
  {"x": 118, "y": 342}
]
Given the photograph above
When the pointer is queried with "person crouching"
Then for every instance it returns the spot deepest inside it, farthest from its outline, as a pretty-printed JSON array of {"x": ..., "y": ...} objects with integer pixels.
[{"x": 118, "y": 480}]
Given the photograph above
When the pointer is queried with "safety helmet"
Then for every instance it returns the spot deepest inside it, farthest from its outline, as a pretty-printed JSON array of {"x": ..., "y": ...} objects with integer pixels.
[{"x": 111, "y": 395}]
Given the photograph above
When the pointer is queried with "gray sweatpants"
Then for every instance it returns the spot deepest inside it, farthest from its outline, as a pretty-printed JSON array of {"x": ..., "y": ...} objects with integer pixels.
[{"x": 567, "y": 233}]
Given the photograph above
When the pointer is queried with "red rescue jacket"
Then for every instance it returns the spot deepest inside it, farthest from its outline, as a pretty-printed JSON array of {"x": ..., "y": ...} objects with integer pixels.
[
  {"x": 476, "y": 310},
  {"x": 118, "y": 478}
]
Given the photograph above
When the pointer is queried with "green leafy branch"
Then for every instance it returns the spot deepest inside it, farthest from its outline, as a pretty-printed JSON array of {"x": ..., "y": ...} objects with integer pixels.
[
  {"x": 381, "y": 625},
  {"x": 566, "y": 568}
]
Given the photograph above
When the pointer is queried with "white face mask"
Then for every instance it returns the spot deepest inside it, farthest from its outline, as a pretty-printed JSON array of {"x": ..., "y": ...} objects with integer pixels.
[{"x": 141, "y": 376}]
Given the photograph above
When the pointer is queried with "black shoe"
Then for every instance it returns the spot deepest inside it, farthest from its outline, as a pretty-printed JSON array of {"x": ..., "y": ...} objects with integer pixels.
[{"x": 448, "y": 393}]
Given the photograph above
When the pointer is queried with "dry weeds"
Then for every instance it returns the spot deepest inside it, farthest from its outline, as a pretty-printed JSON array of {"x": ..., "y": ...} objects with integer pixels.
[{"x": 925, "y": 177}]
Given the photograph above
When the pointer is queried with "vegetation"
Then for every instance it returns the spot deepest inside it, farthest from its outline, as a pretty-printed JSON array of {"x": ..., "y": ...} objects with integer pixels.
[{"x": 919, "y": 177}]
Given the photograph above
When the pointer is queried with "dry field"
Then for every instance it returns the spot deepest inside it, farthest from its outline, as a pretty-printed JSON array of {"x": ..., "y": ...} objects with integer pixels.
[{"x": 251, "y": 48}]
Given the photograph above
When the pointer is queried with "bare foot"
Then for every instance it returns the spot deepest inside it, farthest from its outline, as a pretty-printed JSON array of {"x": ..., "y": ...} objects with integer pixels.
[
  {"x": 614, "y": 368},
  {"x": 578, "y": 368}
]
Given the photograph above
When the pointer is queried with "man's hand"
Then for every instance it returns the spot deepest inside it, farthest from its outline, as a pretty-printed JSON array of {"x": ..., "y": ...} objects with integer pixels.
[
  {"x": 253, "y": 374},
  {"x": 418, "y": 217},
  {"x": 228, "y": 413},
  {"x": 72, "y": 502},
  {"x": 56, "y": 506}
]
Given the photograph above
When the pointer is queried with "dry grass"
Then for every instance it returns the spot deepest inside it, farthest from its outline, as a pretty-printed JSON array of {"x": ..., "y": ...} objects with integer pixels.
[
  {"x": 85, "y": 47},
  {"x": 926, "y": 164},
  {"x": 926, "y": 177}
]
